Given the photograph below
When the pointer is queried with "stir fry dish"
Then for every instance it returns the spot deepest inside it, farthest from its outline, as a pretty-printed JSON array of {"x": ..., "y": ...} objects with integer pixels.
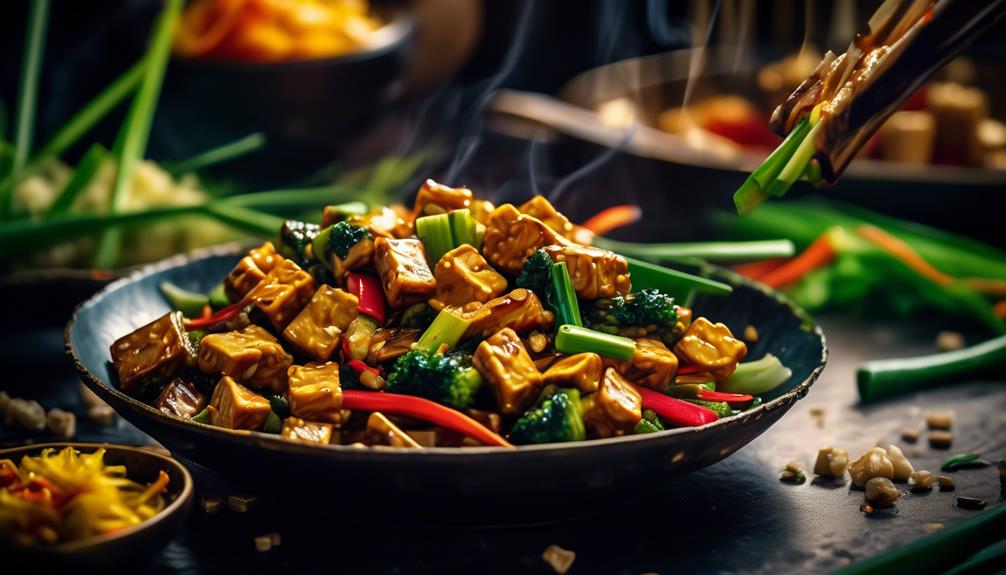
[
  {"x": 454, "y": 323},
  {"x": 63, "y": 496}
]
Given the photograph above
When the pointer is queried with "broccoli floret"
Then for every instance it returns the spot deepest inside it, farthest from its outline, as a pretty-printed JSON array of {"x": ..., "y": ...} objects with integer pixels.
[
  {"x": 555, "y": 418},
  {"x": 648, "y": 313},
  {"x": 537, "y": 274},
  {"x": 447, "y": 379},
  {"x": 650, "y": 422},
  {"x": 294, "y": 237},
  {"x": 343, "y": 237}
]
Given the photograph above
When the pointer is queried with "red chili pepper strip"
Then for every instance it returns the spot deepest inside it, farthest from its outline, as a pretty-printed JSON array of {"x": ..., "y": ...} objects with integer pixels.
[
  {"x": 368, "y": 289},
  {"x": 223, "y": 315},
  {"x": 675, "y": 411},
  {"x": 726, "y": 397},
  {"x": 360, "y": 367},
  {"x": 419, "y": 408},
  {"x": 691, "y": 368}
]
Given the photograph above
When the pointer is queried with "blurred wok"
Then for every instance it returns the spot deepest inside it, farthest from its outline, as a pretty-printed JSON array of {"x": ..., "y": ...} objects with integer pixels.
[{"x": 705, "y": 176}]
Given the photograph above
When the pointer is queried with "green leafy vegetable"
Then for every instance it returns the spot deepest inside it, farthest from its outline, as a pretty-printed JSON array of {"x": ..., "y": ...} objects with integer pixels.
[{"x": 344, "y": 236}]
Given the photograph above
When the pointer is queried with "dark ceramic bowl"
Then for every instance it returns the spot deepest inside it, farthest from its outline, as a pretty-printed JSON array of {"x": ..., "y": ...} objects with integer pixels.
[
  {"x": 114, "y": 549},
  {"x": 442, "y": 474}
]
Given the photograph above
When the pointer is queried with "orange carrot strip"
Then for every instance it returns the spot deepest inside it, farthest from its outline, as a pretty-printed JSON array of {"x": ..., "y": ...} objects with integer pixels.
[
  {"x": 1000, "y": 309},
  {"x": 903, "y": 252},
  {"x": 755, "y": 270},
  {"x": 613, "y": 218},
  {"x": 818, "y": 254}
]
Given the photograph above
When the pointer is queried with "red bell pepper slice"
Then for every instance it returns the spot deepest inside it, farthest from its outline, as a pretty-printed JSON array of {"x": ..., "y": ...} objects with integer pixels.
[
  {"x": 419, "y": 408},
  {"x": 730, "y": 398},
  {"x": 675, "y": 411},
  {"x": 691, "y": 369},
  {"x": 368, "y": 289}
]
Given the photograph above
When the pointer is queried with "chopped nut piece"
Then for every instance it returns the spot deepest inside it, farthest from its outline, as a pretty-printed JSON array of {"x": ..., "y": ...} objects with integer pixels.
[
  {"x": 971, "y": 503},
  {"x": 946, "y": 483},
  {"x": 61, "y": 423},
  {"x": 251, "y": 355},
  {"x": 751, "y": 334},
  {"x": 434, "y": 198},
  {"x": 941, "y": 439},
  {"x": 101, "y": 414},
  {"x": 817, "y": 412},
  {"x": 831, "y": 462},
  {"x": 251, "y": 270},
  {"x": 381, "y": 431},
  {"x": 512, "y": 236},
  {"x": 949, "y": 340},
  {"x": 932, "y": 527},
  {"x": 594, "y": 272},
  {"x": 405, "y": 276},
  {"x": 559, "y": 559},
  {"x": 652, "y": 365},
  {"x": 296, "y": 429},
  {"x": 582, "y": 371},
  {"x": 155, "y": 349},
  {"x": 464, "y": 276},
  {"x": 920, "y": 481},
  {"x": 181, "y": 399},
  {"x": 316, "y": 329},
  {"x": 28, "y": 414},
  {"x": 910, "y": 435},
  {"x": 880, "y": 492},
  {"x": 537, "y": 341},
  {"x": 941, "y": 420},
  {"x": 315, "y": 393},
  {"x": 873, "y": 463},
  {"x": 263, "y": 543},
  {"x": 615, "y": 408},
  {"x": 505, "y": 364},
  {"x": 711, "y": 346},
  {"x": 519, "y": 310},
  {"x": 241, "y": 503},
  {"x": 902, "y": 467},
  {"x": 282, "y": 293},
  {"x": 212, "y": 505},
  {"x": 275, "y": 539},
  {"x": 234, "y": 406}
]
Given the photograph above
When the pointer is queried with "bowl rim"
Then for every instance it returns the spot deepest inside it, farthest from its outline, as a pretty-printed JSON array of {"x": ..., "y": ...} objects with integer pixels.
[
  {"x": 274, "y": 441},
  {"x": 177, "y": 505},
  {"x": 398, "y": 28}
]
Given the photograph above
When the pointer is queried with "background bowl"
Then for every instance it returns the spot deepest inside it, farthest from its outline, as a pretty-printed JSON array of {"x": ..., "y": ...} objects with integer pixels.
[
  {"x": 115, "y": 549},
  {"x": 480, "y": 476}
]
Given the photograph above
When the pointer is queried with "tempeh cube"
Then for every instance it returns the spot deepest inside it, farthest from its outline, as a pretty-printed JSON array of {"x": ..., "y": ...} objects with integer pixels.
[
  {"x": 234, "y": 406},
  {"x": 505, "y": 364},
  {"x": 250, "y": 355},
  {"x": 594, "y": 272},
  {"x": 298, "y": 429},
  {"x": 435, "y": 198},
  {"x": 251, "y": 269},
  {"x": 652, "y": 364},
  {"x": 519, "y": 310},
  {"x": 317, "y": 328},
  {"x": 156, "y": 349},
  {"x": 405, "y": 276},
  {"x": 464, "y": 276},
  {"x": 283, "y": 293},
  {"x": 315, "y": 393},
  {"x": 615, "y": 408},
  {"x": 512, "y": 236}
]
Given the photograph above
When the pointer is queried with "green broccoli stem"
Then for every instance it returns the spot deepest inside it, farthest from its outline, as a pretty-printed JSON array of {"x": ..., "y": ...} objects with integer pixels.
[
  {"x": 757, "y": 377},
  {"x": 884, "y": 378},
  {"x": 706, "y": 251}
]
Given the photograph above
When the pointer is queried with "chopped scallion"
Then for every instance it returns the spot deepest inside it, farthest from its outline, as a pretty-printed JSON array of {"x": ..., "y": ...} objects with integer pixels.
[
  {"x": 680, "y": 284},
  {"x": 447, "y": 328},
  {"x": 188, "y": 302},
  {"x": 567, "y": 307},
  {"x": 435, "y": 233},
  {"x": 575, "y": 339}
]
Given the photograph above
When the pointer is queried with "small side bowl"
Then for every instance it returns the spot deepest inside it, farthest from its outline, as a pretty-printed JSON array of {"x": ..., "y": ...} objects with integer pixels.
[{"x": 140, "y": 541}]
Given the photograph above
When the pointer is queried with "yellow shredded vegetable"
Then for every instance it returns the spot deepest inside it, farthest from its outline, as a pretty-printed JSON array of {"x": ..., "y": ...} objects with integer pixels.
[{"x": 67, "y": 495}]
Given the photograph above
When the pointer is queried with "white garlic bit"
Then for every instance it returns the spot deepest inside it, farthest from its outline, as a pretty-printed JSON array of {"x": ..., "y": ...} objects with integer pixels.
[
  {"x": 881, "y": 492},
  {"x": 902, "y": 467},
  {"x": 873, "y": 463},
  {"x": 831, "y": 462}
]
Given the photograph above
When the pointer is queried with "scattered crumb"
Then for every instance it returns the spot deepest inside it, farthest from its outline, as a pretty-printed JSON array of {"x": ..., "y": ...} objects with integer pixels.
[
  {"x": 831, "y": 462},
  {"x": 818, "y": 414},
  {"x": 61, "y": 423},
  {"x": 910, "y": 435},
  {"x": 941, "y": 420},
  {"x": 26, "y": 413},
  {"x": 793, "y": 473},
  {"x": 946, "y": 483},
  {"x": 263, "y": 543},
  {"x": 949, "y": 340},
  {"x": 974, "y": 503},
  {"x": 941, "y": 439},
  {"x": 275, "y": 539},
  {"x": 751, "y": 333},
  {"x": 212, "y": 505},
  {"x": 920, "y": 481},
  {"x": 558, "y": 558},
  {"x": 101, "y": 414},
  {"x": 241, "y": 503},
  {"x": 915, "y": 452},
  {"x": 932, "y": 527}
]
